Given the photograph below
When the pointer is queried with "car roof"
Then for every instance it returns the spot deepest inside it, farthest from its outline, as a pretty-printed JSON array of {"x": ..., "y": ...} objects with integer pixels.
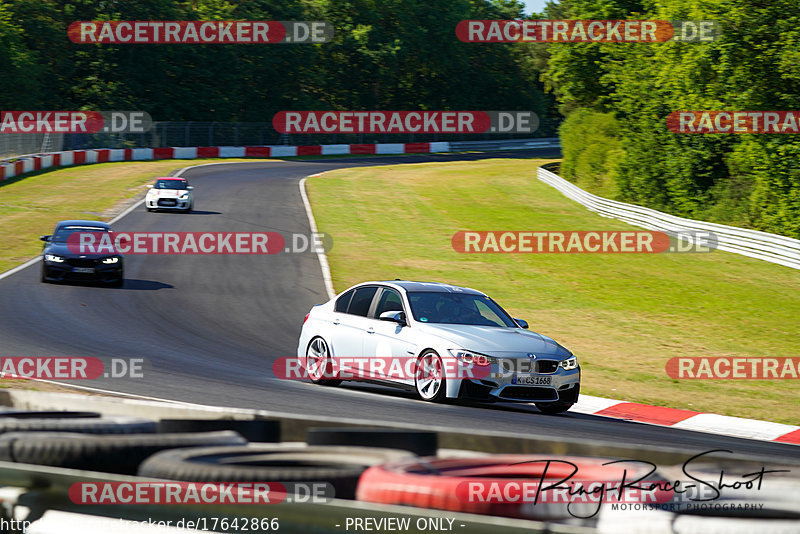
[
  {"x": 428, "y": 287},
  {"x": 78, "y": 222},
  {"x": 171, "y": 178}
]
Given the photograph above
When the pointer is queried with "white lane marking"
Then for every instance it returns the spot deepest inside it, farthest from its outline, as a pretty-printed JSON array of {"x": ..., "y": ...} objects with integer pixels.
[
  {"x": 735, "y": 426},
  {"x": 589, "y": 405},
  {"x": 323, "y": 259},
  {"x": 21, "y": 267}
]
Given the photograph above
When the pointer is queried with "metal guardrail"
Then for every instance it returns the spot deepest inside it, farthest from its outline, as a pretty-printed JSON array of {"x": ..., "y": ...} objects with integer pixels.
[
  {"x": 752, "y": 243},
  {"x": 506, "y": 144}
]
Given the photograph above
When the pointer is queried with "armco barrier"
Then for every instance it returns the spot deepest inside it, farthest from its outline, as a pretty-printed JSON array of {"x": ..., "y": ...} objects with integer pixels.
[
  {"x": 35, "y": 162},
  {"x": 752, "y": 243}
]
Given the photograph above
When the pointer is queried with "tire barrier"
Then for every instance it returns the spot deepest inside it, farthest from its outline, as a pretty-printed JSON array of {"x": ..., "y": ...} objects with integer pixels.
[
  {"x": 339, "y": 466},
  {"x": 19, "y": 414},
  {"x": 419, "y": 442},
  {"x": 121, "y": 454},
  {"x": 88, "y": 425},
  {"x": 767, "y": 506},
  {"x": 254, "y": 430},
  {"x": 465, "y": 484}
]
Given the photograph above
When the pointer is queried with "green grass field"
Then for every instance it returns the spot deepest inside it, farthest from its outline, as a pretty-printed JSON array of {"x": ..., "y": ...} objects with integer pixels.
[
  {"x": 30, "y": 205},
  {"x": 624, "y": 315}
]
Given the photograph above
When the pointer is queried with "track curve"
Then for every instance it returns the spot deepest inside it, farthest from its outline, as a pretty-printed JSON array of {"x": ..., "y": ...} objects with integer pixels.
[{"x": 211, "y": 326}]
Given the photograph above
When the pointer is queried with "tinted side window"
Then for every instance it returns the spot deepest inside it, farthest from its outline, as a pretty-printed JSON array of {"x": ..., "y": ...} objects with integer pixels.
[
  {"x": 362, "y": 298},
  {"x": 343, "y": 301},
  {"x": 390, "y": 301}
]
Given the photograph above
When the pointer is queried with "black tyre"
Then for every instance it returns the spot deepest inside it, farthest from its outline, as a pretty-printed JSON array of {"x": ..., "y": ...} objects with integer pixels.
[
  {"x": 259, "y": 430},
  {"x": 118, "y": 282},
  {"x": 318, "y": 363},
  {"x": 107, "y": 454},
  {"x": 99, "y": 425},
  {"x": 421, "y": 443},
  {"x": 429, "y": 377},
  {"x": 339, "y": 466},
  {"x": 43, "y": 277}
]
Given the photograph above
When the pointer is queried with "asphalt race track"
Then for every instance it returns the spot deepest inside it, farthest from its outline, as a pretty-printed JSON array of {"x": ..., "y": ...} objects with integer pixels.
[{"x": 211, "y": 326}]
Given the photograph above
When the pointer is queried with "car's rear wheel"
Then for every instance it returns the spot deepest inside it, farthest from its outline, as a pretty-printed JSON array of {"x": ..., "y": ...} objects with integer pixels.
[
  {"x": 429, "y": 377},
  {"x": 319, "y": 364}
]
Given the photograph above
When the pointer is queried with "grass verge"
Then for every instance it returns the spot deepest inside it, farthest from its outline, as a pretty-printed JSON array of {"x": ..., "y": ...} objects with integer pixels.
[{"x": 624, "y": 315}]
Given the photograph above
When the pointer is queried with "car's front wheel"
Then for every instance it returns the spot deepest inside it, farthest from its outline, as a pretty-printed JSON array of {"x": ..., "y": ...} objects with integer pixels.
[
  {"x": 318, "y": 363},
  {"x": 429, "y": 377}
]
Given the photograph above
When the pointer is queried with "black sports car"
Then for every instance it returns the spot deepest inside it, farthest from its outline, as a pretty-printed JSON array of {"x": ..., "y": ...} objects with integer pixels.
[{"x": 62, "y": 259}]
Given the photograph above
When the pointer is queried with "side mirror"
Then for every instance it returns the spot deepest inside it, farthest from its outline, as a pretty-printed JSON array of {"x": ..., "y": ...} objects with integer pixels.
[
  {"x": 45, "y": 237},
  {"x": 394, "y": 316},
  {"x": 189, "y": 187},
  {"x": 521, "y": 322}
]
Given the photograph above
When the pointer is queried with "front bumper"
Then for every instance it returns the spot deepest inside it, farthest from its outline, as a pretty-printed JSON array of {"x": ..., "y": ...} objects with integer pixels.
[
  {"x": 168, "y": 203},
  {"x": 61, "y": 272},
  {"x": 506, "y": 386}
]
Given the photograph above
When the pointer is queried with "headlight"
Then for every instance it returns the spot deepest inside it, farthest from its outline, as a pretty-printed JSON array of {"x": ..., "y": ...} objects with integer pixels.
[
  {"x": 53, "y": 259},
  {"x": 110, "y": 260},
  {"x": 569, "y": 364},
  {"x": 468, "y": 357},
  {"x": 184, "y": 196}
]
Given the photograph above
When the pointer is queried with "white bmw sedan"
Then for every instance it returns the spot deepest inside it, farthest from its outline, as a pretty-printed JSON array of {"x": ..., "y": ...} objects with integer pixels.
[{"x": 459, "y": 342}]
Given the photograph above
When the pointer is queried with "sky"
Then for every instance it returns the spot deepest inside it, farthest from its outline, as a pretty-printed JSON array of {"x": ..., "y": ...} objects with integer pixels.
[{"x": 534, "y": 6}]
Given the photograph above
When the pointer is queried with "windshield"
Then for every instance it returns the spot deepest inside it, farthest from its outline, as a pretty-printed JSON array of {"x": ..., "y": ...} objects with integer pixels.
[
  {"x": 64, "y": 232},
  {"x": 457, "y": 308},
  {"x": 171, "y": 184}
]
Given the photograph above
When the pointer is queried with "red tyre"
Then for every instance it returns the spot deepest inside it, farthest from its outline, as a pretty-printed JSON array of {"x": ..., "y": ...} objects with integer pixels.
[{"x": 486, "y": 485}]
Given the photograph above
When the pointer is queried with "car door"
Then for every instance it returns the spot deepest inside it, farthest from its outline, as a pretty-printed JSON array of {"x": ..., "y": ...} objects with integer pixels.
[
  {"x": 390, "y": 342},
  {"x": 349, "y": 327}
]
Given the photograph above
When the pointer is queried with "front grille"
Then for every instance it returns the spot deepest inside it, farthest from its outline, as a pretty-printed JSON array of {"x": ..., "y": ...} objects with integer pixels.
[
  {"x": 530, "y": 393},
  {"x": 546, "y": 366},
  {"x": 83, "y": 262},
  {"x": 167, "y": 202}
]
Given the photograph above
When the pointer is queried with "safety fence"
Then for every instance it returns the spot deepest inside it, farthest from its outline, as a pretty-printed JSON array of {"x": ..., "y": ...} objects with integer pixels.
[{"x": 752, "y": 243}]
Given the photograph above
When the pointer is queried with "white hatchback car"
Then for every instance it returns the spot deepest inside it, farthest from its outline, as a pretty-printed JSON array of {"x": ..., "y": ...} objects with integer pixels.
[
  {"x": 449, "y": 333},
  {"x": 170, "y": 193}
]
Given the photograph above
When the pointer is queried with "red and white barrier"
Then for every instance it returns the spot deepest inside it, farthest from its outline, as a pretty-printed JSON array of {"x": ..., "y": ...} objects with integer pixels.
[
  {"x": 688, "y": 419},
  {"x": 37, "y": 162}
]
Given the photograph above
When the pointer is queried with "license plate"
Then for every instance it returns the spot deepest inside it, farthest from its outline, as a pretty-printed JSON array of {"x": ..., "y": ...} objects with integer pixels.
[
  {"x": 83, "y": 269},
  {"x": 534, "y": 380}
]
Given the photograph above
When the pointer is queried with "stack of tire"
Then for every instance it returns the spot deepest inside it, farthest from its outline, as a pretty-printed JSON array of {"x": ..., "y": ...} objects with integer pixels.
[
  {"x": 750, "y": 502},
  {"x": 184, "y": 450}
]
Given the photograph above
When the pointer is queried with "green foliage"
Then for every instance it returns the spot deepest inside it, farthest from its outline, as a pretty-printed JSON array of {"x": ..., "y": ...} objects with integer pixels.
[
  {"x": 592, "y": 151},
  {"x": 386, "y": 54},
  {"x": 749, "y": 180}
]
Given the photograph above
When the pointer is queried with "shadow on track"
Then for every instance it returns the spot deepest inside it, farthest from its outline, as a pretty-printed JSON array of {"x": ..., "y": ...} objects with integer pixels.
[{"x": 134, "y": 284}]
